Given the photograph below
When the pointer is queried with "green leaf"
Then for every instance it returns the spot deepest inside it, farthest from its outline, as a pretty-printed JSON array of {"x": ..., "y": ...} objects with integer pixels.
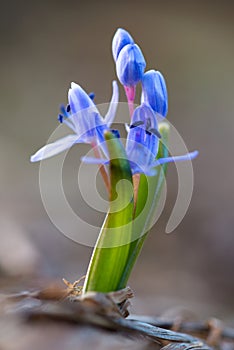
[
  {"x": 149, "y": 191},
  {"x": 110, "y": 253}
]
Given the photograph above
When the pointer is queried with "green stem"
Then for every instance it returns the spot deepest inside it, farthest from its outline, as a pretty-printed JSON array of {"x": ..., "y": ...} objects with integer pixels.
[
  {"x": 149, "y": 191},
  {"x": 110, "y": 253}
]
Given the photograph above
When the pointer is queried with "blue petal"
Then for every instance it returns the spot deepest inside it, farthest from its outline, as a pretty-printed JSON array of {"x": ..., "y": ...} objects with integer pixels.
[
  {"x": 188, "y": 156},
  {"x": 154, "y": 92},
  {"x": 93, "y": 160},
  {"x": 55, "y": 148},
  {"x": 86, "y": 123},
  {"x": 142, "y": 169},
  {"x": 141, "y": 144},
  {"x": 142, "y": 153},
  {"x": 79, "y": 99},
  {"x": 120, "y": 39},
  {"x": 109, "y": 118},
  {"x": 146, "y": 114},
  {"x": 130, "y": 65},
  {"x": 100, "y": 139}
]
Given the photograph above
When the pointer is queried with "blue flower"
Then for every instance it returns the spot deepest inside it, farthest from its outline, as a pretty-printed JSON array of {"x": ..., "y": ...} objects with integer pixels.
[
  {"x": 142, "y": 144},
  {"x": 84, "y": 119},
  {"x": 130, "y": 65},
  {"x": 120, "y": 39},
  {"x": 154, "y": 92},
  {"x": 143, "y": 141}
]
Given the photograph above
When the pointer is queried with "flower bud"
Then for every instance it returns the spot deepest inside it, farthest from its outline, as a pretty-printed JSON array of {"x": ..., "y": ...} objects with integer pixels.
[
  {"x": 130, "y": 65},
  {"x": 120, "y": 39},
  {"x": 154, "y": 92}
]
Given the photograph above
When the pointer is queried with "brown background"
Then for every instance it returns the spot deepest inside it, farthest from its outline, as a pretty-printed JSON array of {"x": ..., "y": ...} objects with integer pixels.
[{"x": 44, "y": 46}]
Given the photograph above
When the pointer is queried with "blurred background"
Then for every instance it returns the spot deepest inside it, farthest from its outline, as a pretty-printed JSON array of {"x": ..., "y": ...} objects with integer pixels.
[{"x": 47, "y": 44}]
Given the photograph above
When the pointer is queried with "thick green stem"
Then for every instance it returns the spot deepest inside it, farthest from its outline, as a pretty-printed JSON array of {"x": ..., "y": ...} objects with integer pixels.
[
  {"x": 122, "y": 237},
  {"x": 111, "y": 250}
]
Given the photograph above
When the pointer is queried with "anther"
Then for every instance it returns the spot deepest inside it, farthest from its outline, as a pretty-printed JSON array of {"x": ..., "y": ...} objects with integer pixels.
[
  {"x": 155, "y": 132},
  {"x": 92, "y": 95},
  {"x": 63, "y": 111},
  {"x": 138, "y": 123},
  {"x": 60, "y": 118},
  {"x": 116, "y": 133}
]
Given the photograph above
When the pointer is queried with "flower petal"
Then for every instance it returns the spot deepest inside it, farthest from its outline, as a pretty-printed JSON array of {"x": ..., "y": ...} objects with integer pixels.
[
  {"x": 142, "y": 144},
  {"x": 127, "y": 127},
  {"x": 79, "y": 99},
  {"x": 142, "y": 169},
  {"x": 130, "y": 65},
  {"x": 93, "y": 160},
  {"x": 55, "y": 148},
  {"x": 188, "y": 156},
  {"x": 154, "y": 92},
  {"x": 120, "y": 39},
  {"x": 145, "y": 114},
  {"x": 113, "y": 105}
]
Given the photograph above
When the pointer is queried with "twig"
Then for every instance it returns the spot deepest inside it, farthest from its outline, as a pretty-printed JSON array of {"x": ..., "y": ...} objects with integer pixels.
[{"x": 201, "y": 328}]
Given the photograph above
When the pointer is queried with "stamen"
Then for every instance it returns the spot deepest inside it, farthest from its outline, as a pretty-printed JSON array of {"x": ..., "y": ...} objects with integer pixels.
[
  {"x": 155, "y": 132},
  {"x": 63, "y": 110},
  {"x": 138, "y": 123},
  {"x": 92, "y": 95},
  {"x": 60, "y": 118},
  {"x": 68, "y": 108},
  {"x": 116, "y": 133}
]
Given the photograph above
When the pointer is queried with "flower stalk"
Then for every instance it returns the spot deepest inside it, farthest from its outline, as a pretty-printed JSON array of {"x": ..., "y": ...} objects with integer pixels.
[
  {"x": 149, "y": 192},
  {"x": 111, "y": 250}
]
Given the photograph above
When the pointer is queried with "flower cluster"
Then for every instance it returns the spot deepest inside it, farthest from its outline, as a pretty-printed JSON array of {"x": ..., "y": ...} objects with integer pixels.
[
  {"x": 126, "y": 226},
  {"x": 84, "y": 119}
]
